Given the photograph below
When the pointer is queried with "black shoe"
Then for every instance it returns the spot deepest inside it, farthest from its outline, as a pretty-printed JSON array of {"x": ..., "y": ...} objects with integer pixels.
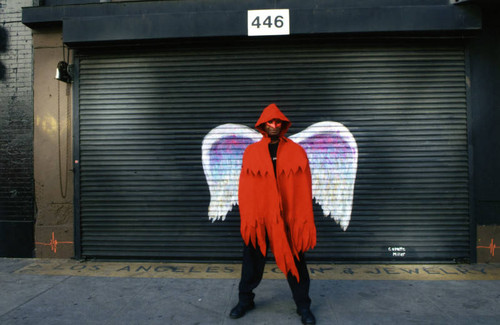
[
  {"x": 307, "y": 316},
  {"x": 240, "y": 310}
]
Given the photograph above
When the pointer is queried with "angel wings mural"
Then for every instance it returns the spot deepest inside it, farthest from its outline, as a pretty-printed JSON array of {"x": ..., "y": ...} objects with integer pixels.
[{"x": 333, "y": 157}]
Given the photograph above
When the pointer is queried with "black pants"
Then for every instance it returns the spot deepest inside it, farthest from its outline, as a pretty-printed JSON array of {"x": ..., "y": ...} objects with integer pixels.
[{"x": 252, "y": 271}]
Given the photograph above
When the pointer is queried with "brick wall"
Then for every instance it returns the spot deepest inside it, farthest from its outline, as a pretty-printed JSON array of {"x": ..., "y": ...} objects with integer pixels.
[{"x": 16, "y": 132}]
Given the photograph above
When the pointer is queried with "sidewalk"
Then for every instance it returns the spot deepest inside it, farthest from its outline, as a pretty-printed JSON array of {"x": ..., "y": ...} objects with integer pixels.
[{"x": 69, "y": 292}]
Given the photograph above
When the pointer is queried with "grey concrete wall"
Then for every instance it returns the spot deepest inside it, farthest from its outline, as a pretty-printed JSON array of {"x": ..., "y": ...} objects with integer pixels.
[{"x": 16, "y": 132}]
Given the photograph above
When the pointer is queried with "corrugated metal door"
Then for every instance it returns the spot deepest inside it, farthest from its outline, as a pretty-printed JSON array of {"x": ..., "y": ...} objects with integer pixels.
[{"x": 143, "y": 116}]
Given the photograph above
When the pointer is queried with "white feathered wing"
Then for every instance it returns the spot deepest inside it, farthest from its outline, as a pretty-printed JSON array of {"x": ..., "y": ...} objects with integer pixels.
[
  {"x": 333, "y": 158},
  {"x": 222, "y": 156}
]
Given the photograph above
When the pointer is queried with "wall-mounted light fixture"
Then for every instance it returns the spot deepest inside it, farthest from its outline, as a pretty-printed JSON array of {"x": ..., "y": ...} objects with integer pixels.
[{"x": 64, "y": 71}]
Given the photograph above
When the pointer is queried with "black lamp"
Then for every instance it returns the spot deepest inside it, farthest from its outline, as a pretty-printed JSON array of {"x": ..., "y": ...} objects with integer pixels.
[{"x": 62, "y": 72}]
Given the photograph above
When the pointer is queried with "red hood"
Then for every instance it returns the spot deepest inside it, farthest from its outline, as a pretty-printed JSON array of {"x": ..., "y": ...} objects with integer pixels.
[{"x": 272, "y": 112}]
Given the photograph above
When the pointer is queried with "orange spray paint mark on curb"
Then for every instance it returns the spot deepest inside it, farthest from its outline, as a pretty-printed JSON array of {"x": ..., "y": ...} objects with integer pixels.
[
  {"x": 53, "y": 243},
  {"x": 492, "y": 247}
]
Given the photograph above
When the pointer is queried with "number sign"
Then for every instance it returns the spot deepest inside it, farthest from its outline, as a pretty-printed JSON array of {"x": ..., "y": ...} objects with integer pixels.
[{"x": 268, "y": 22}]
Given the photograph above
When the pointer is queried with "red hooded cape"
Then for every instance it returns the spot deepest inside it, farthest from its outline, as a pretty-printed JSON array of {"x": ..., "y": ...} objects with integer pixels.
[{"x": 280, "y": 206}]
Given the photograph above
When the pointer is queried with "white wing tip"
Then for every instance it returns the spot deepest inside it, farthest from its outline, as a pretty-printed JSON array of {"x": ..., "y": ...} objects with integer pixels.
[
  {"x": 342, "y": 221},
  {"x": 214, "y": 218}
]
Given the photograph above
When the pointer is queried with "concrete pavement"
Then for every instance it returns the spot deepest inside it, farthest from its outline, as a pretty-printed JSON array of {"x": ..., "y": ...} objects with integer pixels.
[{"x": 70, "y": 292}]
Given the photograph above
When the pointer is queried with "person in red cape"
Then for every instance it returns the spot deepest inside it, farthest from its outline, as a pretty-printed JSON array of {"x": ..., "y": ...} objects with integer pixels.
[{"x": 275, "y": 200}]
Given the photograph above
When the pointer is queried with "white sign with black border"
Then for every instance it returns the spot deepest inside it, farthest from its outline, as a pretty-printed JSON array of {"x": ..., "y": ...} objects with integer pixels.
[{"x": 268, "y": 22}]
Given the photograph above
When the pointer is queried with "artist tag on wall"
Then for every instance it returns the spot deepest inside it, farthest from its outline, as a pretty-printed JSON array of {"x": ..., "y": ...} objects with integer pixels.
[{"x": 268, "y": 22}]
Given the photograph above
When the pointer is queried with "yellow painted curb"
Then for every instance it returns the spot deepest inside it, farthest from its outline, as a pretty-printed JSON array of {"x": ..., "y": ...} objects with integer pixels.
[{"x": 232, "y": 271}]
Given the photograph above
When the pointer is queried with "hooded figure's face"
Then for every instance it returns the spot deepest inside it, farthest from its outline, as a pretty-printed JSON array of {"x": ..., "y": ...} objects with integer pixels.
[
  {"x": 272, "y": 122},
  {"x": 273, "y": 128}
]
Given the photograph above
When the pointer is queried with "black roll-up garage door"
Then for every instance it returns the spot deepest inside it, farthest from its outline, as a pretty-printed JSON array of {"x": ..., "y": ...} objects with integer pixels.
[{"x": 143, "y": 115}]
